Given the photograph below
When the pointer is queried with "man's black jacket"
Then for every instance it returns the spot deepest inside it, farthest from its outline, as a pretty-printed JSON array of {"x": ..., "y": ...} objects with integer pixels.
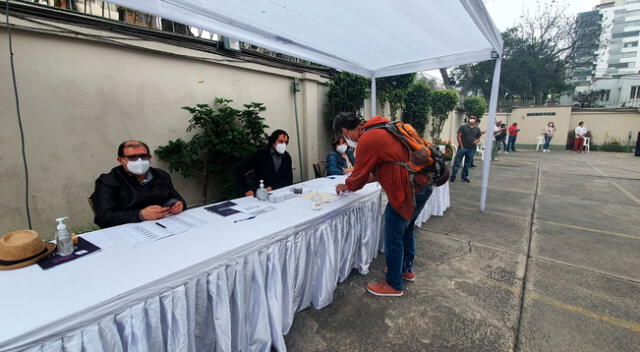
[
  {"x": 119, "y": 197},
  {"x": 262, "y": 164}
]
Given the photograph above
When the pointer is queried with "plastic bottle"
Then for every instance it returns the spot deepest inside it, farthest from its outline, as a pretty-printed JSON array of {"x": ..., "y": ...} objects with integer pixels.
[
  {"x": 316, "y": 200},
  {"x": 63, "y": 238},
  {"x": 262, "y": 193}
]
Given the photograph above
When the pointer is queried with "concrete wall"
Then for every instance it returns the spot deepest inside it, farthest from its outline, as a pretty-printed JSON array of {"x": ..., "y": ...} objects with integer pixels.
[
  {"x": 603, "y": 124},
  {"x": 81, "y": 98}
]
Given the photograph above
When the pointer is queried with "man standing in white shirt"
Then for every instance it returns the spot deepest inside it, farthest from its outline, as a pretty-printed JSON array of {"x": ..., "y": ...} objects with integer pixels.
[{"x": 578, "y": 143}]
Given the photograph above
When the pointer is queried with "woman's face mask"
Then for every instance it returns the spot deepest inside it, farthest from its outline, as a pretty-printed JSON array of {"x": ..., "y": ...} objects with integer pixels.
[{"x": 341, "y": 148}]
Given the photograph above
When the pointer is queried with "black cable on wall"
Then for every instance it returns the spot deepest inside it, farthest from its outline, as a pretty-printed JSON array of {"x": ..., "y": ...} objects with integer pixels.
[{"x": 15, "y": 89}]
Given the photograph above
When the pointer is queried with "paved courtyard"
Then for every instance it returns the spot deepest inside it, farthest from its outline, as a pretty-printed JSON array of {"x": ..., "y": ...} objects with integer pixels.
[{"x": 553, "y": 264}]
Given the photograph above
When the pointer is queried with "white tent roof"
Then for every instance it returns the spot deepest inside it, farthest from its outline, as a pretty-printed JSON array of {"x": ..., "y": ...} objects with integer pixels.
[{"x": 373, "y": 38}]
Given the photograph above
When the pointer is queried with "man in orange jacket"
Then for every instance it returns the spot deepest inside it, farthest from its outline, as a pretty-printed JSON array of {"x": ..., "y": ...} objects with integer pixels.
[{"x": 377, "y": 151}]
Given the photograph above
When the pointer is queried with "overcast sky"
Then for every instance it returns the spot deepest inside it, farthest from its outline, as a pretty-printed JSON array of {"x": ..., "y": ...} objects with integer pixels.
[{"x": 505, "y": 13}]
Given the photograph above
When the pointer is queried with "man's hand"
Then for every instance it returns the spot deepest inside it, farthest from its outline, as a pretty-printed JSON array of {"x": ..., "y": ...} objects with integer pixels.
[
  {"x": 347, "y": 171},
  {"x": 341, "y": 188},
  {"x": 177, "y": 208},
  {"x": 476, "y": 141},
  {"x": 248, "y": 193},
  {"x": 154, "y": 212}
]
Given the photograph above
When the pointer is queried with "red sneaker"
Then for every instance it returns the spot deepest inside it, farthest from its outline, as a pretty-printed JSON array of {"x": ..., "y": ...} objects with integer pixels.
[
  {"x": 407, "y": 276},
  {"x": 383, "y": 289}
]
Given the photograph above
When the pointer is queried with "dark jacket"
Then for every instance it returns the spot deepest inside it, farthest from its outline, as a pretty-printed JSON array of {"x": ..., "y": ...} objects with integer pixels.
[
  {"x": 118, "y": 197},
  {"x": 262, "y": 164},
  {"x": 336, "y": 163}
]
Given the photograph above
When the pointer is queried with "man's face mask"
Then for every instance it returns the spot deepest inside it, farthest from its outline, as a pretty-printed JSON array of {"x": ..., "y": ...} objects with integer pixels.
[
  {"x": 138, "y": 167},
  {"x": 281, "y": 147}
]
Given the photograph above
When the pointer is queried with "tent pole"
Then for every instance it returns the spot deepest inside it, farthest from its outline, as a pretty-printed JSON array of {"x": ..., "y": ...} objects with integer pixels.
[
  {"x": 373, "y": 96},
  {"x": 489, "y": 139}
]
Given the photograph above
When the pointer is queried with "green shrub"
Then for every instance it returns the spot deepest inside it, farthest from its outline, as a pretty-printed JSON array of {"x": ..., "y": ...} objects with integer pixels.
[
  {"x": 475, "y": 106},
  {"x": 416, "y": 109},
  {"x": 347, "y": 93},
  {"x": 224, "y": 136}
]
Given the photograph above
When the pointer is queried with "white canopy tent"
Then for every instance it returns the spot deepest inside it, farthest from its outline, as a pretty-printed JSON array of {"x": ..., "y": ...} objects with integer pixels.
[{"x": 372, "y": 38}]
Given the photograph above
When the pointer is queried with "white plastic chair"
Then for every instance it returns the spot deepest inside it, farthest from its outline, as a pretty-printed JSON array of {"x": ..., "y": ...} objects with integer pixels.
[
  {"x": 540, "y": 141},
  {"x": 587, "y": 143},
  {"x": 480, "y": 149}
]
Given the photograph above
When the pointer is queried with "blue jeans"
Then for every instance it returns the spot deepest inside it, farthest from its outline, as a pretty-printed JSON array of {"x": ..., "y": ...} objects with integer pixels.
[
  {"x": 399, "y": 241},
  {"x": 468, "y": 155},
  {"x": 547, "y": 140},
  {"x": 512, "y": 143}
]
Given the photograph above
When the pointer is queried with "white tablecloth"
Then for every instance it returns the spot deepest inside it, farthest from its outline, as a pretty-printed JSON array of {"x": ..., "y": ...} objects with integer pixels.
[
  {"x": 436, "y": 205},
  {"x": 222, "y": 286}
]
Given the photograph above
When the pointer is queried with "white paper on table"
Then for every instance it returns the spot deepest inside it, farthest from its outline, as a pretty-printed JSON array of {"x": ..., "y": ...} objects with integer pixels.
[
  {"x": 254, "y": 208},
  {"x": 149, "y": 231}
]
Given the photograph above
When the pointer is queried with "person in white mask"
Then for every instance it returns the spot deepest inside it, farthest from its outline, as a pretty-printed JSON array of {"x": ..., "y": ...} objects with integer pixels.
[
  {"x": 340, "y": 160},
  {"x": 134, "y": 191},
  {"x": 271, "y": 164}
]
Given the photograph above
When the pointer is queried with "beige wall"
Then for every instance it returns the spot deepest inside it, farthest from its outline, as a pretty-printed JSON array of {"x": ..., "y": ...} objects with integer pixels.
[
  {"x": 604, "y": 126},
  {"x": 533, "y": 126},
  {"x": 80, "y": 99}
]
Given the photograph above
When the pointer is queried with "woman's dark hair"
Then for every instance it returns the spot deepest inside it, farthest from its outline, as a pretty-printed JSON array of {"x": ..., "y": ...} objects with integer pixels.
[
  {"x": 348, "y": 120},
  {"x": 503, "y": 125},
  {"x": 336, "y": 140},
  {"x": 277, "y": 133}
]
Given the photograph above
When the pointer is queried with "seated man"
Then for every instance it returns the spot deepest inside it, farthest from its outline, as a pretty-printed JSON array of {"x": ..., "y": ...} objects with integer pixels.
[
  {"x": 271, "y": 164},
  {"x": 133, "y": 191}
]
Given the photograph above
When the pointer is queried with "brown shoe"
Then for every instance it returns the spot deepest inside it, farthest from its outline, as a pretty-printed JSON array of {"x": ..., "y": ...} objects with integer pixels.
[
  {"x": 406, "y": 276},
  {"x": 383, "y": 289}
]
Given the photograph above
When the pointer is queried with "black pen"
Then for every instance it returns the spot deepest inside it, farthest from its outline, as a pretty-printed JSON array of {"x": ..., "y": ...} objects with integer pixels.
[{"x": 159, "y": 224}]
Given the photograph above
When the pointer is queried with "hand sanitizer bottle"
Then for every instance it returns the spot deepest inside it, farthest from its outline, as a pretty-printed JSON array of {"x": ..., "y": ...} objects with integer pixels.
[
  {"x": 63, "y": 239},
  {"x": 262, "y": 193}
]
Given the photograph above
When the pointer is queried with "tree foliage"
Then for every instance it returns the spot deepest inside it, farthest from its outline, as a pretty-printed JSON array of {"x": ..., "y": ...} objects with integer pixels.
[
  {"x": 393, "y": 89},
  {"x": 347, "y": 92},
  {"x": 416, "y": 108},
  {"x": 587, "y": 99},
  {"x": 442, "y": 102},
  {"x": 223, "y": 136},
  {"x": 536, "y": 55},
  {"x": 475, "y": 106}
]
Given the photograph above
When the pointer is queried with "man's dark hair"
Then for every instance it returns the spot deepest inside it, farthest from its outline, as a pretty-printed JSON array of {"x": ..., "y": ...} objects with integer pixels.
[
  {"x": 348, "y": 120},
  {"x": 277, "y": 133},
  {"x": 131, "y": 144},
  {"x": 580, "y": 123}
]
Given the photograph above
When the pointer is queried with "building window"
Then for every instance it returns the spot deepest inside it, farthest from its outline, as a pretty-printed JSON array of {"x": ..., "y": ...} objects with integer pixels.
[
  {"x": 604, "y": 94},
  {"x": 541, "y": 114},
  {"x": 635, "y": 92},
  {"x": 631, "y": 44}
]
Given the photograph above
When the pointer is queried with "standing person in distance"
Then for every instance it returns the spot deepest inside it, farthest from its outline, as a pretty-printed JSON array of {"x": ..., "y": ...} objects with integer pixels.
[
  {"x": 513, "y": 134},
  {"x": 501, "y": 138},
  {"x": 497, "y": 131},
  {"x": 340, "y": 160},
  {"x": 468, "y": 136},
  {"x": 549, "y": 130},
  {"x": 379, "y": 152},
  {"x": 578, "y": 142},
  {"x": 271, "y": 164}
]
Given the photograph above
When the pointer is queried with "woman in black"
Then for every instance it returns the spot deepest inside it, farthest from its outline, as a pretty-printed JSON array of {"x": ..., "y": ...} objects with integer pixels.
[{"x": 271, "y": 164}]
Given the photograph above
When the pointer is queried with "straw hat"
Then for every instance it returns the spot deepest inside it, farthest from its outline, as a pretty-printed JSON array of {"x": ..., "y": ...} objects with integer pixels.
[{"x": 22, "y": 248}]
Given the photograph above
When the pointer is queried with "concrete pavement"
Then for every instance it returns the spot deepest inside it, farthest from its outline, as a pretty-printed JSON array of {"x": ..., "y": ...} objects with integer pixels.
[{"x": 553, "y": 264}]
